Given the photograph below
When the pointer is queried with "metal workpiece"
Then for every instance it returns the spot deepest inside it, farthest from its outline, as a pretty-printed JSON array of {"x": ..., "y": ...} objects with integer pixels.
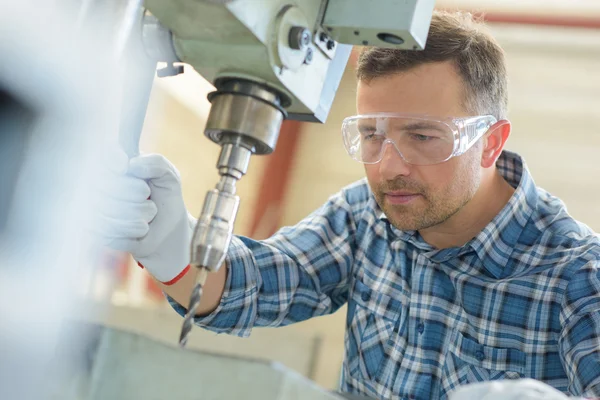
[
  {"x": 243, "y": 108},
  {"x": 117, "y": 364}
]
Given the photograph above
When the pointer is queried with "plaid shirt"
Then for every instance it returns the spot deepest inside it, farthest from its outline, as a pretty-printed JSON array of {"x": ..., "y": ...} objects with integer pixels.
[{"x": 521, "y": 299}]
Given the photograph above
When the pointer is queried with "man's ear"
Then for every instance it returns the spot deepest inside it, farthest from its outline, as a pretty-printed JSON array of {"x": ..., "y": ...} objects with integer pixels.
[{"x": 494, "y": 142}]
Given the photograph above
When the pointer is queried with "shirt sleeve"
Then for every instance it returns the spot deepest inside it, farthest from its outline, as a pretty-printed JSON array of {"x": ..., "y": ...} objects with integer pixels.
[
  {"x": 299, "y": 273},
  {"x": 579, "y": 342}
]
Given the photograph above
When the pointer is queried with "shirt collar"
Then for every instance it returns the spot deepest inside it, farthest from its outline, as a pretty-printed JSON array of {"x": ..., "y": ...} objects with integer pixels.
[{"x": 502, "y": 233}]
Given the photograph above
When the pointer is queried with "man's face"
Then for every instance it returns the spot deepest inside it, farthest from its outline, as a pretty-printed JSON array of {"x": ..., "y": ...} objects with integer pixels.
[{"x": 419, "y": 197}]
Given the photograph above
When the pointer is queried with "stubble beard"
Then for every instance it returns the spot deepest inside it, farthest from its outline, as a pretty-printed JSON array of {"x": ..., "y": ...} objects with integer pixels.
[{"x": 430, "y": 209}]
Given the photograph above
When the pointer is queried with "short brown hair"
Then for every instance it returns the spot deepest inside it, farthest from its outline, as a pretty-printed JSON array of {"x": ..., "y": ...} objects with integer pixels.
[{"x": 457, "y": 37}]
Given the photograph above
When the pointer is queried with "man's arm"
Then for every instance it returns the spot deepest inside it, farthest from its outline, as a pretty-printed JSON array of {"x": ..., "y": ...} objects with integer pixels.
[
  {"x": 300, "y": 272},
  {"x": 579, "y": 342},
  {"x": 212, "y": 292}
]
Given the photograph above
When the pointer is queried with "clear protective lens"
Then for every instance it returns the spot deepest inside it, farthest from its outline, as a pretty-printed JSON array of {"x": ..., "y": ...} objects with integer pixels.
[{"x": 419, "y": 141}]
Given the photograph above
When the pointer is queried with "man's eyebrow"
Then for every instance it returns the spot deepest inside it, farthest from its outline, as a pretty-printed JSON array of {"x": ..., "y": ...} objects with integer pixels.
[
  {"x": 422, "y": 125},
  {"x": 366, "y": 128}
]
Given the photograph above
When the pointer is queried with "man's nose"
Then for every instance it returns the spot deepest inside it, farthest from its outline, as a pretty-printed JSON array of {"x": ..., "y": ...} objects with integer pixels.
[{"x": 392, "y": 164}]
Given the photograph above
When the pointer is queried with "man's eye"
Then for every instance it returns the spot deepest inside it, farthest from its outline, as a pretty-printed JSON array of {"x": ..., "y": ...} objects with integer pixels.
[
  {"x": 422, "y": 138},
  {"x": 372, "y": 136}
]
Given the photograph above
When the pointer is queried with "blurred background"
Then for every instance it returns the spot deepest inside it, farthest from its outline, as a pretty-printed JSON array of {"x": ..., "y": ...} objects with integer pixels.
[{"x": 553, "y": 54}]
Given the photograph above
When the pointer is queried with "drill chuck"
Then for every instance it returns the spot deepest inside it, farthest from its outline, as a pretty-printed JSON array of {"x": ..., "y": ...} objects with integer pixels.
[{"x": 214, "y": 229}]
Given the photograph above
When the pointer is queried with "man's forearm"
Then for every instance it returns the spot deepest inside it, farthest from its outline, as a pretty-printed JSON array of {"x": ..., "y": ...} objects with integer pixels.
[{"x": 211, "y": 293}]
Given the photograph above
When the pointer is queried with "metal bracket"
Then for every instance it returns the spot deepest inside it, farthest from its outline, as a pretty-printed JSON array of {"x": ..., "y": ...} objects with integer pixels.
[
  {"x": 170, "y": 70},
  {"x": 158, "y": 40},
  {"x": 321, "y": 36}
]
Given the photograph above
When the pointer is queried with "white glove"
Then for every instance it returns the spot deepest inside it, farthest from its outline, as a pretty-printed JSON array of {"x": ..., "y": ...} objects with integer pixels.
[
  {"x": 519, "y": 389},
  {"x": 143, "y": 213}
]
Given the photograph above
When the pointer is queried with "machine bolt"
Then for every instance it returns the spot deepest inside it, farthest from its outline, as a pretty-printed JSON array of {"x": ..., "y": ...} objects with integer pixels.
[
  {"x": 170, "y": 70},
  {"x": 299, "y": 37},
  {"x": 309, "y": 56}
]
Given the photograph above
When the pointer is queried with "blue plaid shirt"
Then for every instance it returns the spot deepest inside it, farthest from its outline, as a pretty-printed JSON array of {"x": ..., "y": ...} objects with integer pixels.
[{"x": 521, "y": 299}]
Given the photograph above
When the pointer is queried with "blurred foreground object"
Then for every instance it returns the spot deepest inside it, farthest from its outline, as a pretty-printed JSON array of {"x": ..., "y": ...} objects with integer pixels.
[
  {"x": 519, "y": 389},
  {"x": 58, "y": 115}
]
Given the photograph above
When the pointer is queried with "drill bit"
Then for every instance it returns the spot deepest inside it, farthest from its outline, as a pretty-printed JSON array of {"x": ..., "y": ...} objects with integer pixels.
[{"x": 195, "y": 297}]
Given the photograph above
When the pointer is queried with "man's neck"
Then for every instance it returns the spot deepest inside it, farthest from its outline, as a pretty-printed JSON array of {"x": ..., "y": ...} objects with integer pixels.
[{"x": 490, "y": 199}]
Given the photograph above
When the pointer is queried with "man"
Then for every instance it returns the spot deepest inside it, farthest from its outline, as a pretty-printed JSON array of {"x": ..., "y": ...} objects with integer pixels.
[{"x": 455, "y": 267}]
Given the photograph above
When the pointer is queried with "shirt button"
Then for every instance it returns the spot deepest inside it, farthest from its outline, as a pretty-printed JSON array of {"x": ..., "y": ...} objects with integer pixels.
[
  {"x": 480, "y": 356},
  {"x": 364, "y": 296},
  {"x": 421, "y": 328}
]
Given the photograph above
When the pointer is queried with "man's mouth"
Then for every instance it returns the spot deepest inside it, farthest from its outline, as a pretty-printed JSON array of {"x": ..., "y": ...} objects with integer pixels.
[{"x": 400, "y": 197}]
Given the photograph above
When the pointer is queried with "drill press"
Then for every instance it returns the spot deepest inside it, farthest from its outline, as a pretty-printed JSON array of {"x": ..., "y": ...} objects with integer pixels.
[{"x": 270, "y": 60}]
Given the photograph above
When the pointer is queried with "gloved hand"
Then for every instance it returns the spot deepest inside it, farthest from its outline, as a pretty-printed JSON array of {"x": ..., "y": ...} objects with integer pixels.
[
  {"x": 520, "y": 389},
  {"x": 143, "y": 213}
]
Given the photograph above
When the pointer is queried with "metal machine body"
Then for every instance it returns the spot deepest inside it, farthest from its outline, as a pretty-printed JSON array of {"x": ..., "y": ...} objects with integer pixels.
[{"x": 270, "y": 60}]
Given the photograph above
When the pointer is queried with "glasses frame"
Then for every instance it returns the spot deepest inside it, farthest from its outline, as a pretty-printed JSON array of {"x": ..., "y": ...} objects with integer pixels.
[{"x": 466, "y": 130}]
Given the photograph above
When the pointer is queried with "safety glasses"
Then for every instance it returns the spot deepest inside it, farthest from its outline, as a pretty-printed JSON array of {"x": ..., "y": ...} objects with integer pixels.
[{"x": 420, "y": 140}]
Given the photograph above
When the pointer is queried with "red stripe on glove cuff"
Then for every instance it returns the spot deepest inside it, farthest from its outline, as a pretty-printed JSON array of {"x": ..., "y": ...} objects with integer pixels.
[{"x": 174, "y": 280}]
